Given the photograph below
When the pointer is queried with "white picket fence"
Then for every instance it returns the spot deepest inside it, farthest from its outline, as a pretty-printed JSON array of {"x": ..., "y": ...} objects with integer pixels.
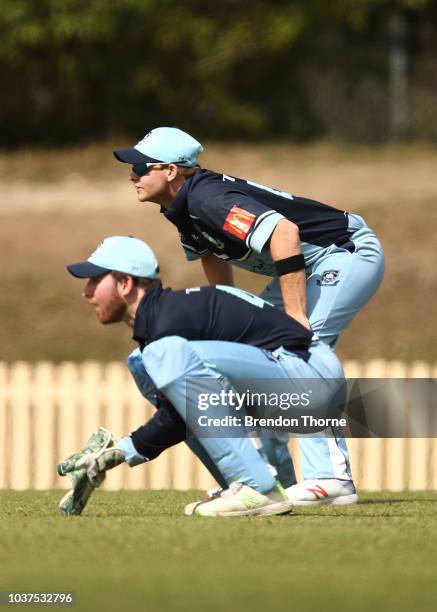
[{"x": 47, "y": 412}]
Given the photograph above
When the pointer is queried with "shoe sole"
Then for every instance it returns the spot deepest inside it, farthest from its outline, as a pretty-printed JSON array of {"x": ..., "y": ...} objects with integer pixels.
[
  {"x": 342, "y": 500},
  {"x": 284, "y": 507},
  {"x": 190, "y": 508}
]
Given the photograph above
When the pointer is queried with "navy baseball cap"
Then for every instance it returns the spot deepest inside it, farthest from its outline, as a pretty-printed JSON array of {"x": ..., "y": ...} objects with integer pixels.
[
  {"x": 124, "y": 254},
  {"x": 163, "y": 145}
]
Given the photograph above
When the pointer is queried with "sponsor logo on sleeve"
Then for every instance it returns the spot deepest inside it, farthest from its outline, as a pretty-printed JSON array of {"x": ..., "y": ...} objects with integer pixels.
[{"x": 238, "y": 222}]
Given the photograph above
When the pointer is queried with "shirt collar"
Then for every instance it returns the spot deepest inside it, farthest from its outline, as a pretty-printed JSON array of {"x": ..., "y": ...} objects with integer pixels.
[
  {"x": 145, "y": 310},
  {"x": 177, "y": 209}
]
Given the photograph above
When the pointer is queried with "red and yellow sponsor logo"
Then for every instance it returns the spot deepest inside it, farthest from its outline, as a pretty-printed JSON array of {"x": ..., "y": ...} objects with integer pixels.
[{"x": 238, "y": 222}]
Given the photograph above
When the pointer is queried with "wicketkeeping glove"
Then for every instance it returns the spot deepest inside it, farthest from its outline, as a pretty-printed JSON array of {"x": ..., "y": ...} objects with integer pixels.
[
  {"x": 97, "y": 463},
  {"x": 76, "y": 499}
]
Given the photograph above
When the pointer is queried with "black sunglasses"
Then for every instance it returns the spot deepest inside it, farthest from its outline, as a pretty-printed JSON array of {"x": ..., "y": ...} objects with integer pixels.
[{"x": 143, "y": 169}]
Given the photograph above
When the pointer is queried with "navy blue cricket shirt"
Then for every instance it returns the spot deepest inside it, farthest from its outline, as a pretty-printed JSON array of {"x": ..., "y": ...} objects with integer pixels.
[
  {"x": 217, "y": 313},
  {"x": 206, "y": 313},
  {"x": 234, "y": 219}
]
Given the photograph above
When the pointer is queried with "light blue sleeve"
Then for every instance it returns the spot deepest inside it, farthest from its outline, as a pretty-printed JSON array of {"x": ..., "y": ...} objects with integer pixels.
[
  {"x": 131, "y": 455},
  {"x": 264, "y": 226}
]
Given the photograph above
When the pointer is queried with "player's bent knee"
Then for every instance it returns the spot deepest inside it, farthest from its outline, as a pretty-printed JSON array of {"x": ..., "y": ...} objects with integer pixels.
[{"x": 170, "y": 359}]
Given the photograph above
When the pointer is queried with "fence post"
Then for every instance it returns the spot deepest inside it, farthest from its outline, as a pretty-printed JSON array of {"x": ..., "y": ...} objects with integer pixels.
[
  {"x": 68, "y": 439},
  {"x": 90, "y": 390},
  {"x": 433, "y": 449},
  {"x": 114, "y": 386},
  {"x": 44, "y": 432},
  {"x": 20, "y": 385},
  {"x": 420, "y": 448},
  {"x": 373, "y": 451},
  {"x": 353, "y": 369},
  {"x": 4, "y": 431},
  {"x": 396, "y": 466},
  {"x": 138, "y": 412}
]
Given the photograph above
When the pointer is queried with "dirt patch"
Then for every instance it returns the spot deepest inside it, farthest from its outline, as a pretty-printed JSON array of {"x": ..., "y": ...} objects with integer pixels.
[{"x": 349, "y": 178}]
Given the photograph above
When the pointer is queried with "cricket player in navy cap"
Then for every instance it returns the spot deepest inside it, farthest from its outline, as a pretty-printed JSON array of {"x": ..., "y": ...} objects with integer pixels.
[{"x": 325, "y": 265}]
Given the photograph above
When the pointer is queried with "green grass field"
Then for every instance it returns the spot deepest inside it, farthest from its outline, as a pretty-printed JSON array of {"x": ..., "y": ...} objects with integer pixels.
[{"x": 136, "y": 551}]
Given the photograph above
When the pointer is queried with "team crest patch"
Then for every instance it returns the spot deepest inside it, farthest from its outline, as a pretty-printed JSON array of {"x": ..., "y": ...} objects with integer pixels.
[
  {"x": 238, "y": 222},
  {"x": 330, "y": 277}
]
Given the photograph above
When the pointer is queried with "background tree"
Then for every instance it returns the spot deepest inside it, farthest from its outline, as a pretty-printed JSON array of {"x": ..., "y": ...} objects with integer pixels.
[{"x": 75, "y": 70}]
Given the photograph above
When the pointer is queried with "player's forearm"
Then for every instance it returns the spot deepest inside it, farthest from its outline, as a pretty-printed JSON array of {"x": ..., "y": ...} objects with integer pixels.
[
  {"x": 284, "y": 243},
  {"x": 217, "y": 271},
  {"x": 166, "y": 428}
]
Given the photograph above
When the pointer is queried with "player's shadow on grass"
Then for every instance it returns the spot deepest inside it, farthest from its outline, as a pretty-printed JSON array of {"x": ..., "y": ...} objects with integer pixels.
[
  {"x": 354, "y": 510},
  {"x": 391, "y": 501},
  {"x": 354, "y": 515}
]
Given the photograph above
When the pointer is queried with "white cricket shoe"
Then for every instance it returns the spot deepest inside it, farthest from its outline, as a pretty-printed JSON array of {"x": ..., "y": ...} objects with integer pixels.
[
  {"x": 322, "y": 491},
  {"x": 241, "y": 500},
  {"x": 209, "y": 494}
]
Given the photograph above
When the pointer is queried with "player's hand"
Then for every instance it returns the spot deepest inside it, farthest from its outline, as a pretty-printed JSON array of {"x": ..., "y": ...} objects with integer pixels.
[
  {"x": 70, "y": 464},
  {"x": 96, "y": 464},
  {"x": 80, "y": 461},
  {"x": 75, "y": 467},
  {"x": 99, "y": 441}
]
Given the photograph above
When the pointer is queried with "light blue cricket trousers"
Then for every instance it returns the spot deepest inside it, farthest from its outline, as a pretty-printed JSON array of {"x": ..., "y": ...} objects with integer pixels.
[
  {"x": 332, "y": 303},
  {"x": 150, "y": 392},
  {"x": 172, "y": 361},
  {"x": 280, "y": 459},
  {"x": 169, "y": 362}
]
